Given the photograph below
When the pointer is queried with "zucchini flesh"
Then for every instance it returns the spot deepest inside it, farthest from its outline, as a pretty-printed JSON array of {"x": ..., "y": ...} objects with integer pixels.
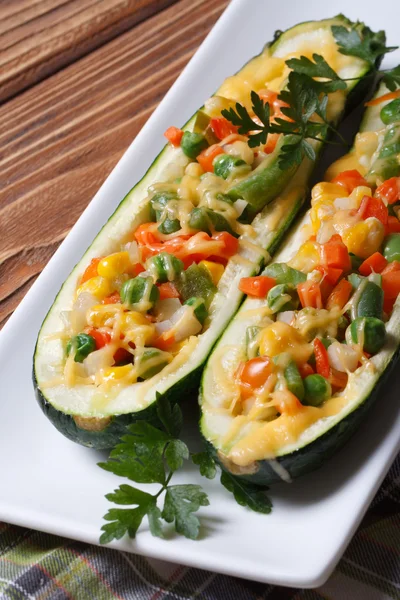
[
  {"x": 303, "y": 450},
  {"x": 80, "y": 411}
]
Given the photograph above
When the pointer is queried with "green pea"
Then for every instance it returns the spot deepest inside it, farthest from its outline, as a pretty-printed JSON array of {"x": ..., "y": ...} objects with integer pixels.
[
  {"x": 317, "y": 389},
  {"x": 196, "y": 282},
  {"x": 356, "y": 261},
  {"x": 282, "y": 297},
  {"x": 164, "y": 267},
  {"x": 82, "y": 344},
  {"x": 193, "y": 143},
  {"x": 368, "y": 301},
  {"x": 371, "y": 330},
  {"x": 391, "y": 112},
  {"x": 391, "y": 247},
  {"x": 199, "y": 308},
  {"x": 151, "y": 362},
  {"x": 252, "y": 341},
  {"x": 158, "y": 203},
  {"x": 224, "y": 164},
  {"x": 294, "y": 381},
  {"x": 135, "y": 290},
  {"x": 285, "y": 274}
]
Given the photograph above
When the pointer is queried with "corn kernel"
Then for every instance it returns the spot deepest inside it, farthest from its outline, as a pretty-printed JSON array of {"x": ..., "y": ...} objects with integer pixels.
[
  {"x": 307, "y": 258},
  {"x": 215, "y": 270},
  {"x": 280, "y": 337},
  {"x": 117, "y": 373},
  {"x": 102, "y": 315},
  {"x": 358, "y": 194},
  {"x": 364, "y": 238},
  {"x": 114, "y": 265},
  {"x": 137, "y": 328},
  {"x": 327, "y": 192},
  {"x": 97, "y": 286}
]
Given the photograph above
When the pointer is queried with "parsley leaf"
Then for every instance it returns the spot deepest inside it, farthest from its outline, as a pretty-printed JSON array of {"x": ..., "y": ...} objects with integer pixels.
[
  {"x": 123, "y": 520},
  {"x": 181, "y": 501},
  {"x": 242, "y": 119},
  {"x": 170, "y": 416},
  {"x": 391, "y": 78},
  {"x": 175, "y": 453},
  {"x": 247, "y": 494},
  {"x": 361, "y": 42},
  {"x": 318, "y": 68},
  {"x": 206, "y": 463}
]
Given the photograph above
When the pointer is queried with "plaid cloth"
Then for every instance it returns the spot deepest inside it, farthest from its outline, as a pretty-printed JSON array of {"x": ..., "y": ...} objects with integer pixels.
[{"x": 38, "y": 566}]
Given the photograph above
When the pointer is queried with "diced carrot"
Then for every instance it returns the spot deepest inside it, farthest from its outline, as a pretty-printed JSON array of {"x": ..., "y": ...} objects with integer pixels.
[
  {"x": 268, "y": 96},
  {"x": 206, "y": 157},
  {"x": 164, "y": 341},
  {"x": 384, "y": 98},
  {"x": 286, "y": 402},
  {"x": 231, "y": 244},
  {"x": 113, "y": 299},
  {"x": 102, "y": 338},
  {"x": 350, "y": 180},
  {"x": 91, "y": 270},
  {"x": 373, "y": 264},
  {"x": 257, "y": 287},
  {"x": 373, "y": 207},
  {"x": 221, "y": 127},
  {"x": 335, "y": 254},
  {"x": 389, "y": 190},
  {"x": 391, "y": 284},
  {"x": 168, "y": 290},
  {"x": 137, "y": 269},
  {"x": 272, "y": 140},
  {"x": 310, "y": 294},
  {"x": 340, "y": 295},
  {"x": 388, "y": 304},
  {"x": 393, "y": 225},
  {"x": 146, "y": 234},
  {"x": 174, "y": 135},
  {"x": 391, "y": 267},
  {"x": 122, "y": 355},
  {"x": 330, "y": 274},
  {"x": 305, "y": 370},
  {"x": 321, "y": 359},
  {"x": 337, "y": 379}
]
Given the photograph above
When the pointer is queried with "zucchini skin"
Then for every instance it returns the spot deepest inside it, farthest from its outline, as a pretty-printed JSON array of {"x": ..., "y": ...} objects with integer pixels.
[{"x": 314, "y": 455}]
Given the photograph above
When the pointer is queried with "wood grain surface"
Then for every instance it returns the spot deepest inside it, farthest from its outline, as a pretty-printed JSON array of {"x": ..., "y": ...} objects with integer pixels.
[
  {"x": 39, "y": 37},
  {"x": 60, "y": 139}
]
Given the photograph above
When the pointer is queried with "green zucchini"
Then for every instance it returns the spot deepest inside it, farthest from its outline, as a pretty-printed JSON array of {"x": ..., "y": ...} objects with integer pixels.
[
  {"x": 249, "y": 457},
  {"x": 79, "y": 411}
]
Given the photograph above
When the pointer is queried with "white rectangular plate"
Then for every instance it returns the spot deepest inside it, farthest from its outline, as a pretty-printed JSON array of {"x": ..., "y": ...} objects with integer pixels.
[{"x": 51, "y": 484}]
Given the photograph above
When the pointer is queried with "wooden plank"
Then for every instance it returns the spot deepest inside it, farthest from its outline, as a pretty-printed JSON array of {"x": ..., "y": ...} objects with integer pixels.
[
  {"x": 60, "y": 139},
  {"x": 38, "y": 38}
]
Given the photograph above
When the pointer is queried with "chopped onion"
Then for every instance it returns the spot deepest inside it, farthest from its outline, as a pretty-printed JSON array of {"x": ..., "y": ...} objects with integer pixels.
[
  {"x": 342, "y": 357},
  {"x": 166, "y": 308},
  {"x": 82, "y": 304},
  {"x": 344, "y": 203},
  {"x": 240, "y": 205},
  {"x": 325, "y": 232},
  {"x": 99, "y": 359},
  {"x": 286, "y": 316},
  {"x": 185, "y": 323},
  {"x": 162, "y": 326},
  {"x": 133, "y": 251}
]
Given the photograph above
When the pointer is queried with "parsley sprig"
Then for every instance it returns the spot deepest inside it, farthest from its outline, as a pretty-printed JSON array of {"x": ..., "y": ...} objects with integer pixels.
[
  {"x": 147, "y": 455},
  {"x": 306, "y": 94}
]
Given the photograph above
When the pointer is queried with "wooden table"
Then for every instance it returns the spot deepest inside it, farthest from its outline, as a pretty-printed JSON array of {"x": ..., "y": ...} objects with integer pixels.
[{"x": 78, "y": 79}]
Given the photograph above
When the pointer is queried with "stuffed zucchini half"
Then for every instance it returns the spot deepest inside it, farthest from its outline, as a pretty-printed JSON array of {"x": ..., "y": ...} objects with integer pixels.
[
  {"x": 299, "y": 365},
  {"x": 141, "y": 311}
]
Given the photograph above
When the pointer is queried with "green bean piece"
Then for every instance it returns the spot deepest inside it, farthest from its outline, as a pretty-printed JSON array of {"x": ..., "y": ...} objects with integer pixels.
[
  {"x": 199, "y": 308},
  {"x": 158, "y": 204},
  {"x": 193, "y": 143},
  {"x": 82, "y": 344},
  {"x": 151, "y": 362},
  {"x": 285, "y": 274},
  {"x": 225, "y": 164},
  {"x": 370, "y": 330},
  {"x": 138, "y": 289},
  {"x": 391, "y": 112},
  {"x": 282, "y": 297},
  {"x": 391, "y": 247},
  {"x": 164, "y": 267},
  {"x": 317, "y": 389},
  {"x": 368, "y": 301},
  {"x": 196, "y": 281},
  {"x": 206, "y": 219},
  {"x": 294, "y": 381},
  {"x": 252, "y": 341}
]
